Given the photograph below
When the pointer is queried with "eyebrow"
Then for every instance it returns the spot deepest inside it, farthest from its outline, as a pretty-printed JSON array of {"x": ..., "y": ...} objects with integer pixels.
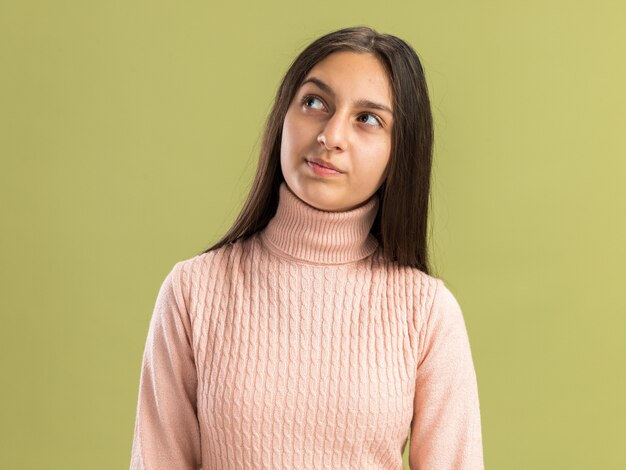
[{"x": 361, "y": 103}]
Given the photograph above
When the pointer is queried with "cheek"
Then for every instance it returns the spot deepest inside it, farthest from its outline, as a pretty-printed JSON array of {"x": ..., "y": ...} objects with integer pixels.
[
  {"x": 289, "y": 146},
  {"x": 287, "y": 135},
  {"x": 294, "y": 135},
  {"x": 378, "y": 155}
]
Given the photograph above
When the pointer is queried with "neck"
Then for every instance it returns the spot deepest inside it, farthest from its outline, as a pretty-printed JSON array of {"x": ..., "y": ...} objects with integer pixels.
[{"x": 302, "y": 232}]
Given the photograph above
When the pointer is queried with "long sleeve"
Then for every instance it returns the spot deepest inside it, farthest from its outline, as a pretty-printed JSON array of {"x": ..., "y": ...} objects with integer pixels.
[
  {"x": 167, "y": 433},
  {"x": 446, "y": 427}
]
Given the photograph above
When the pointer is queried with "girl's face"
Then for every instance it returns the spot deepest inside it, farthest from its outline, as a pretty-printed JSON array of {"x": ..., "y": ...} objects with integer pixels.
[{"x": 342, "y": 115}]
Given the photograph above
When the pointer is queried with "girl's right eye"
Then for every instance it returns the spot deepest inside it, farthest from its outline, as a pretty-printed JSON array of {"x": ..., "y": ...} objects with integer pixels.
[{"x": 309, "y": 98}]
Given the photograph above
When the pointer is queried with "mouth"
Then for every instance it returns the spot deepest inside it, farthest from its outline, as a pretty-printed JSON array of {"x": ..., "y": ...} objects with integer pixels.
[
  {"x": 322, "y": 170},
  {"x": 323, "y": 165}
]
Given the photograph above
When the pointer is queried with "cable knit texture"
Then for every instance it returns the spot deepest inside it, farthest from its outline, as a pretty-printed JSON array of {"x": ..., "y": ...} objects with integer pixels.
[{"x": 303, "y": 348}]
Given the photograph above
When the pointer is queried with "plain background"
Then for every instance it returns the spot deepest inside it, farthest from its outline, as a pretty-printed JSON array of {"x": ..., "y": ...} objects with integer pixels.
[{"x": 129, "y": 134}]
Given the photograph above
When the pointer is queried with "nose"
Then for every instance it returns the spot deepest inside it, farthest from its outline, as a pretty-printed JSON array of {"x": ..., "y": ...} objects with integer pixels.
[{"x": 334, "y": 134}]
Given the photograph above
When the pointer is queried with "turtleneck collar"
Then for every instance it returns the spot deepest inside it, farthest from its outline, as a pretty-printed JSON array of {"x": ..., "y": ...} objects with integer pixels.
[{"x": 302, "y": 232}]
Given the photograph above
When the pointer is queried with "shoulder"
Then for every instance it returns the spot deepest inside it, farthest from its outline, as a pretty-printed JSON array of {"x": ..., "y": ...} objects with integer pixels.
[
  {"x": 440, "y": 318},
  {"x": 194, "y": 269},
  {"x": 436, "y": 299},
  {"x": 430, "y": 298},
  {"x": 428, "y": 290},
  {"x": 421, "y": 290},
  {"x": 196, "y": 273}
]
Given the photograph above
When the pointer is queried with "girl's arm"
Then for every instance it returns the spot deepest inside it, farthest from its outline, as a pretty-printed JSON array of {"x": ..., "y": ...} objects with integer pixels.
[
  {"x": 167, "y": 434},
  {"x": 446, "y": 427}
]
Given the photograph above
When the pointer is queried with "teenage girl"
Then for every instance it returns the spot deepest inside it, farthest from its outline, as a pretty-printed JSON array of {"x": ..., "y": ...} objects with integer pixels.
[{"x": 313, "y": 335}]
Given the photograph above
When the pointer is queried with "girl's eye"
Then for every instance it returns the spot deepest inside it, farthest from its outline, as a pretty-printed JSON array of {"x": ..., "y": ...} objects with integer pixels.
[
  {"x": 308, "y": 98},
  {"x": 376, "y": 120}
]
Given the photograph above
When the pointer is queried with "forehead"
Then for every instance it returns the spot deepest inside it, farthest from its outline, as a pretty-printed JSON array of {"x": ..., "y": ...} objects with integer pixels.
[{"x": 354, "y": 74}]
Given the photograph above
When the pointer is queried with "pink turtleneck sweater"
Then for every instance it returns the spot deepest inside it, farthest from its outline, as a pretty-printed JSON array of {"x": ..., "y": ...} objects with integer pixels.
[{"x": 301, "y": 347}]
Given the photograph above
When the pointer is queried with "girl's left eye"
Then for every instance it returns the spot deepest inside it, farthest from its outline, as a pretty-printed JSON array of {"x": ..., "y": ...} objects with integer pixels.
[
  {"x": 375, "y": 118},
  {"x": 309, "y": 98}
]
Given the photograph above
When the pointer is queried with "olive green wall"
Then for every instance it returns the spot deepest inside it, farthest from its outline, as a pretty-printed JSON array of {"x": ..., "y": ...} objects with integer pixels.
[{"x": 129, "y": 134}]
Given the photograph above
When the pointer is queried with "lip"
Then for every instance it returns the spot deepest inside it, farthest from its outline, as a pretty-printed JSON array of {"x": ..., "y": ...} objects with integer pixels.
[
  {"x": 323, "y": 164},
  {"x": 321, "y": 170}
]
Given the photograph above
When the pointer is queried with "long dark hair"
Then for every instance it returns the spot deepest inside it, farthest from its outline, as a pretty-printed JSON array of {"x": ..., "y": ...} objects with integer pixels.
[{"x": 401, "y": 223}]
